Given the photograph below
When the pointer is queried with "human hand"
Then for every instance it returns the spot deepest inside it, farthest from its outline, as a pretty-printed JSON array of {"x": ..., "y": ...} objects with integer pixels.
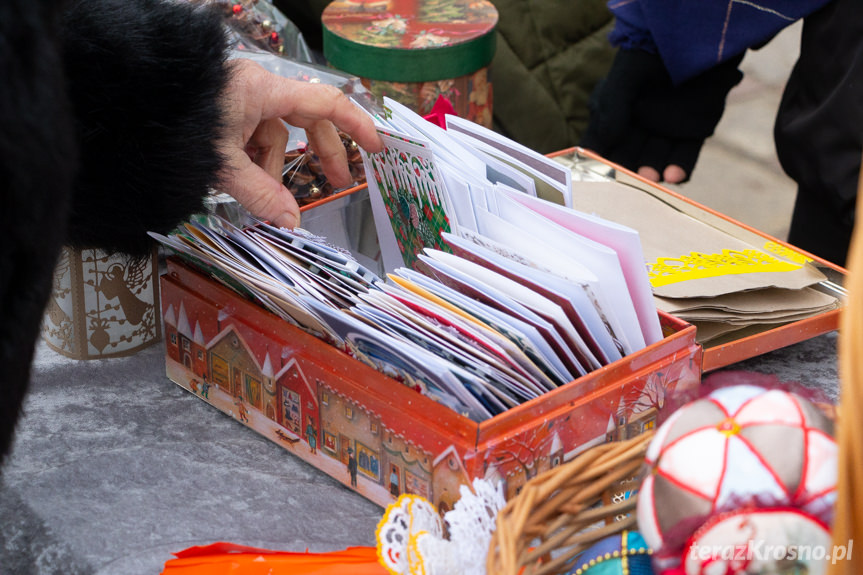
[
  {"x": 255, "y": 138},
  {"x": 642, "y": 121}
]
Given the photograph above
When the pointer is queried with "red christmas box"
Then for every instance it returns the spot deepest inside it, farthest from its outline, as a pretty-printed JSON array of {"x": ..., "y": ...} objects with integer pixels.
[
  {"x": 379, "y": 436},
  {"x": 383, "y": 438}
]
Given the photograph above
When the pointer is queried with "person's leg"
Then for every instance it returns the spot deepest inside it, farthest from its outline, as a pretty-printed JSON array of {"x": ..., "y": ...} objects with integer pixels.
[
  {"x": 819, "y": 129},
  {"x": 820, "y": 227}
]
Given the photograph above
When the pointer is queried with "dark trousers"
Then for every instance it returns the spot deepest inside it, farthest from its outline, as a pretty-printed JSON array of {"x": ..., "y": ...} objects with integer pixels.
[{"x": 819, "y": 129}]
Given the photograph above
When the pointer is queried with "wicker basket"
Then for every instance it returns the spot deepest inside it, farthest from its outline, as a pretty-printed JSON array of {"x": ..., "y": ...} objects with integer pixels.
[{"x": 563, "y": 511}]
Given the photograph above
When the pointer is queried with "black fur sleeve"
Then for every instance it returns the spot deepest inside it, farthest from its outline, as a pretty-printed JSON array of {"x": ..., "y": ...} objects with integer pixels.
[{"x": 145, "y": 78}]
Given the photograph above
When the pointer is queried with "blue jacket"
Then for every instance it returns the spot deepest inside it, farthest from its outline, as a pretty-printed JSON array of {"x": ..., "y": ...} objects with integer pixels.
[{"x": 692, "y": 36}]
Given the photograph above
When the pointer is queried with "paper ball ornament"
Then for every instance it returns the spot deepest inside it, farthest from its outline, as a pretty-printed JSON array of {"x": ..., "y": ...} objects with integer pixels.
[
  {"x": 761, "y": 541},
  {"x": 740, "y": 445},
  {"x": 623, "y": 554}
]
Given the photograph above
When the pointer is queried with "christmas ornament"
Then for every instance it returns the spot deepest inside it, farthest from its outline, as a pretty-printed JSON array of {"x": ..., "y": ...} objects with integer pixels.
[
  {"x": 761, "y": 541},
  {"x": 739, "y": 446}
]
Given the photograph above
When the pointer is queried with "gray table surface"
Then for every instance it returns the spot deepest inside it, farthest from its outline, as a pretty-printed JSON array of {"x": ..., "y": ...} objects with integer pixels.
[{"x": 115, "y": 467}]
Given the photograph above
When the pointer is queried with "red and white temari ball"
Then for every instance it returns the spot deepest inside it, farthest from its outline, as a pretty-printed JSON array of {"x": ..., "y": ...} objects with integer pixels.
[
  {"x": 761, "y": 541},
  {"x": 738, "y": 446}
]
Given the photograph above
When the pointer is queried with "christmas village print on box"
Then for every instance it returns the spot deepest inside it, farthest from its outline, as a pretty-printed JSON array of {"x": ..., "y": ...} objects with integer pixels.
[{"x": 306, "y": 405}]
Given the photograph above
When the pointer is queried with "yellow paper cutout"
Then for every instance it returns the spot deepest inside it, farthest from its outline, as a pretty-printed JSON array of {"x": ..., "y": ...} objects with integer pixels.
[
  {"x": 786, "y": 252},
  {"x": 698, "y": 265}
]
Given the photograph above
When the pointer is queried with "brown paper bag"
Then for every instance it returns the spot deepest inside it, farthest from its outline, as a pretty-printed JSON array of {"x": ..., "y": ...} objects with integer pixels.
[
  {"x": 770, "y": 300},
  {"x": 687, "y": 257}
]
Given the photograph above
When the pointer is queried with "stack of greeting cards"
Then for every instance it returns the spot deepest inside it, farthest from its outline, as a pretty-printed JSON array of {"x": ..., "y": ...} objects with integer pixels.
[{"x": 497, "y": 290}]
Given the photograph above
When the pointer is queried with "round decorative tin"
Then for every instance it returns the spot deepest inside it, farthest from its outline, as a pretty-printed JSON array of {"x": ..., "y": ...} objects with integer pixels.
[
  {"x": 102, "y": 305},
  {"x": 415, "y": 51}
]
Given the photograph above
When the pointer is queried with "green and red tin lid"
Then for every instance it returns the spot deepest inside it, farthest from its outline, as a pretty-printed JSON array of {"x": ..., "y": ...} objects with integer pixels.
[{"x": 409, "y": 40}]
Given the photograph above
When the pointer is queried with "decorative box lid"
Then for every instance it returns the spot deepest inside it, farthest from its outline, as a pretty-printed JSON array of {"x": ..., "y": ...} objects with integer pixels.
[{"x": 409, "y": 40}]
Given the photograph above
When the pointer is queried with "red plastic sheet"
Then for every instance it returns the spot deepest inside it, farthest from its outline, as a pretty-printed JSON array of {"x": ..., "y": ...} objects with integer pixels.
[{"x": 230, "y": 559}]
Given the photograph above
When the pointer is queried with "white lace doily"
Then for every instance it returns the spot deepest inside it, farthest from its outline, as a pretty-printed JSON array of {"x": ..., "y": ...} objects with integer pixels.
[{"x": 411, "y": 534}]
